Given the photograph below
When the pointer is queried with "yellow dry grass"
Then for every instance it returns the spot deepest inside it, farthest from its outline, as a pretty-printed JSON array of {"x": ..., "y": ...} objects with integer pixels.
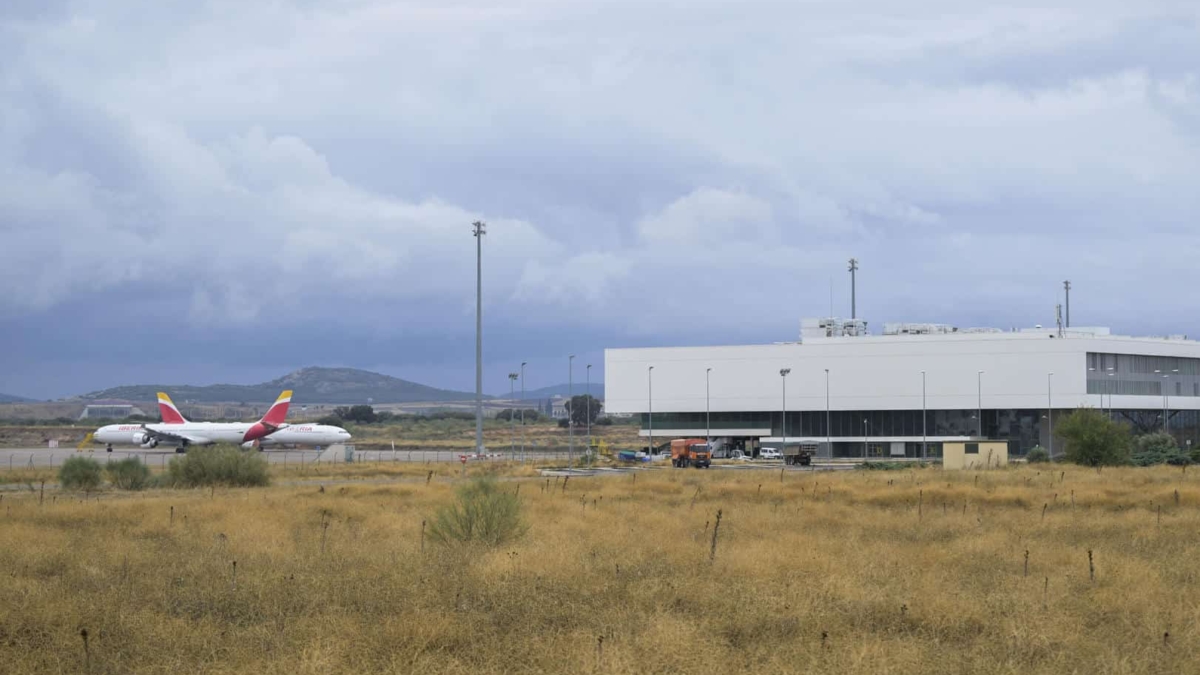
[{"x": 909, "y": 572}]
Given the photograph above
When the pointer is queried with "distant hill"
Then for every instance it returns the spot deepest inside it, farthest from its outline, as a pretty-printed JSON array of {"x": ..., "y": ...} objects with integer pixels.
[
  {"x": 5, "y": 398},
  {"x": 341, "y": 386},
  {"x": 579, "y": 389}
]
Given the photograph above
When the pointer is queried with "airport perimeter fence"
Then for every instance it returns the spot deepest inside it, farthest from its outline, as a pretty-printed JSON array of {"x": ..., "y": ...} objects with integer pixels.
[{"x": 54, "y": 458}]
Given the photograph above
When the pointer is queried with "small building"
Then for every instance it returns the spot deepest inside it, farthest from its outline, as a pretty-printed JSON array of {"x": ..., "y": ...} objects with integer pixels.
[
  {"x": 110, "y": 411},
  {"x": 974, "y": 455}
]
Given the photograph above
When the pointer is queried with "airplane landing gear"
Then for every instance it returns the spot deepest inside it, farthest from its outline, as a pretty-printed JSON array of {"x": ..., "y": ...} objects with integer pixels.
[
  {"x": 108, "y": 449},
  {"x": 180, "y": 450}
]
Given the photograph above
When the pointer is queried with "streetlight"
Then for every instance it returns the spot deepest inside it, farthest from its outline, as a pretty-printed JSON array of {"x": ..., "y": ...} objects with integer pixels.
[
  {"x": 589, "y": 413},
  {"x": 783, "y": 373},
  {"x": 707, "y": 412},
  {"x": 512, "y": 432},
  {"x": 979, "y": 408},
  {"x": 924, "y": 421},
  {"x": 1108, "y": 386},
  {"x": 1050, "y": 412},
  {"x": 650, "y": 405},
  {"x": 523, "y": 364},
  {"x": 570, "y": 422},
  {"x": 828, "y": 426},
  {"x": 1166, "y": 381},
  {"x": 479, "y": 229},
  {"x": 866, "y": 433}
]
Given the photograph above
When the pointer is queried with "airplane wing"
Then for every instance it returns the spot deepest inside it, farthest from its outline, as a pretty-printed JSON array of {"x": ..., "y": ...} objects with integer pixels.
[{"x": 162, "y": 435}]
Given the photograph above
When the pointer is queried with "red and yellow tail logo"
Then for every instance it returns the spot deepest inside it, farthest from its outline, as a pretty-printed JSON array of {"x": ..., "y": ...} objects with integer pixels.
[
  {"x": 170, "y": 414},
  {"x": 278, "y": 412}
]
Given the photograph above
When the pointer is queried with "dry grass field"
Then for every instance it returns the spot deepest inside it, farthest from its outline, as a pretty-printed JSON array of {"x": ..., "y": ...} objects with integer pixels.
[{"x": 864, "y": 572}]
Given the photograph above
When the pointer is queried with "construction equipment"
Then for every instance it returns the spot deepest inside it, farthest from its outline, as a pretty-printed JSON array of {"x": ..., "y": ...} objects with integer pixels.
[
  {"x": 687, "y": 452},
  {"x": 800, "y": 454}
]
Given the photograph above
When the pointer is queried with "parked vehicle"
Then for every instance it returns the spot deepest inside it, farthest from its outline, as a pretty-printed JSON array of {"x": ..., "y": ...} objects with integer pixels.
[
  {"x": 769, "y": 453},
  {"x": 687, "y": 452},
  {"x": 800, "y": 454}
]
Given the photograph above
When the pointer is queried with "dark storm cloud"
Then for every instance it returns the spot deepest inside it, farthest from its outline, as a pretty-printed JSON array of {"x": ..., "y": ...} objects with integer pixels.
[{"x": 208, "y": 191}]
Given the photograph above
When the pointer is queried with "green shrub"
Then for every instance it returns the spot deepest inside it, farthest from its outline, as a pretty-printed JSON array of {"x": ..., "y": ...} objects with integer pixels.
[
  {"x": 481, "y": 514},
  {"x": 128, "y": 474},
  {"x": 891, "y": 466},
  {"x": 1037, "y": 455},
  {"x": 1158, "y": 448},
  {"x": 228, "y": 466},
  {"x": 1092, "y": 439},
  {"x": 80, "y": 473}
]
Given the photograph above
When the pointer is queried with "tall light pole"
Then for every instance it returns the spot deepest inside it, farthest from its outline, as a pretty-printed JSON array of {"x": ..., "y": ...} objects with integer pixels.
[
  {"x": 1108, "y": 386},
  {"x": 1166, "y": 381},
  {"x": 1050, "y": 412},
  {"x": 707, "y": 411},
  {"x": 523, "y": 364},
  {"x": 866, "y": 441},
  {"x": 570, "y": 402},
  {"x": 828, "y": 425},
  {"x": 512, "y": 420},
  {"x": 783, "y": 373},
  {"x": 979, "y": 404},
  {"x": 479, "y": 229},
  {"x": 924, "y": 421},
  {"x": 853, "y": 294},
  {"x": 650, "y": 406},
  {"x": 1067, "y": 287},
  {"x": 588, "y": 391}
]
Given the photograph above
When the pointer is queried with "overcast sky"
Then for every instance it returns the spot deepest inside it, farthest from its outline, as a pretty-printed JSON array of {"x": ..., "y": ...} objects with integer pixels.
[{"x": 199, "y": 191}]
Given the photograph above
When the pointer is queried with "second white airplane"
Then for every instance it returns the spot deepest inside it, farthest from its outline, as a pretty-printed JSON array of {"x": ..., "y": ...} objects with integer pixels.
[{"x": 175, "y": 429}]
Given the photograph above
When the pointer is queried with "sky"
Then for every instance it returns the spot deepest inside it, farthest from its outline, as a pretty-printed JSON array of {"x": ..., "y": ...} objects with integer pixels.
[{"x": 202, "y": 191}]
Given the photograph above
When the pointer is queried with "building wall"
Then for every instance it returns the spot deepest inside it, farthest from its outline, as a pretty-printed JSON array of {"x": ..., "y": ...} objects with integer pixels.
[
  {"x": 881, "y": 373},
  {"x": 987, "y": 456}
]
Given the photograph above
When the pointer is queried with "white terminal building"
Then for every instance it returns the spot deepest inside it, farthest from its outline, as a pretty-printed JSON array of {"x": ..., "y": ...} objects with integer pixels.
[{"x": 907, "y": 391}]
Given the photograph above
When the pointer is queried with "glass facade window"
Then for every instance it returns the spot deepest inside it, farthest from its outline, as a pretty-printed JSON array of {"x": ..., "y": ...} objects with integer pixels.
[{"x": 1137, "y": 375}]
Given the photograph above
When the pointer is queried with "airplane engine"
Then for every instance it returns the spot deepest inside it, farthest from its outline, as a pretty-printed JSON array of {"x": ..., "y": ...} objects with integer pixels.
[{"x": 144, "y": 439}]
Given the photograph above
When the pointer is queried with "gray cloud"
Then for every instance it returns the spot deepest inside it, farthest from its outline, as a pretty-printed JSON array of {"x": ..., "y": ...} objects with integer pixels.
[{"x": 221, "y": 175}]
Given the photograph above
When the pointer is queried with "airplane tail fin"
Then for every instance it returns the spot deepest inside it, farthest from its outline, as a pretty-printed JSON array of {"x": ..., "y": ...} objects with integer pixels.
[
  {"x": 170, "y": 414},
  {"x": 278, "y": 412}
]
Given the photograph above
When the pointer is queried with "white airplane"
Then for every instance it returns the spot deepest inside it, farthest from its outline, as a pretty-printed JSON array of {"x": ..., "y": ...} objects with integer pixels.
[
  {"x": 304, "y": 434},
  {"x": 176, "y": 429}
]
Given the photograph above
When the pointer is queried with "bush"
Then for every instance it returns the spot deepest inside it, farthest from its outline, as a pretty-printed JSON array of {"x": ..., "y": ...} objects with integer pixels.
[
  {"x": 1037, "y": 455},
  {"x": 1158, "y": 448},
  {"x": 891, "y": 466},
  {"x": 481, "y": 514},
  {"x": 128, "y": 474},
  {"x": 228, "y": 466},
  {"x": 562, "y": 424},
  {"x": 80, "y": 473},
  {"x": 1093, "y": 439}
]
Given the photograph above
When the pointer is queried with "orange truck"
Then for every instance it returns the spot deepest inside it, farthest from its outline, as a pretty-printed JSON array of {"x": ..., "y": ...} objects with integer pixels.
[{"x": 687, "y": 452}]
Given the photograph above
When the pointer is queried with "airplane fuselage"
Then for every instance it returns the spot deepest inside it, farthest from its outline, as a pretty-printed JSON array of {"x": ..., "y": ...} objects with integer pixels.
[
  {"x": 306, "y": 434},
  {"x": 187, "y": 433}
]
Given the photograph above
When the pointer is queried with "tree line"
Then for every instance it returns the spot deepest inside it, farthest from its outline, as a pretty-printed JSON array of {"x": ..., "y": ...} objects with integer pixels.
[{"x": 1094, "y": 439}]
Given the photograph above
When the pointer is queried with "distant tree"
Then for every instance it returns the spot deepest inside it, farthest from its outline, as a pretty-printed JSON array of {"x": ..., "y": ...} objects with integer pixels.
[
  {"x": 583, "y": 409},
  {"x": 361, "y": 413},
  {"x": 509, "y": 413},
  {"x": 1093, "y": 439},
  {"x": 343, "y": 412},
  {"x": 384, "y": 417},
  {"x": 330, "y": 420}
]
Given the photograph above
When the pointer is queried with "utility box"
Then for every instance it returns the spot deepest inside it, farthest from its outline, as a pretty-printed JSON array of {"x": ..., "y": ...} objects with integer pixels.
[
  {"x": 349, "y": 454},
  {"x": 974, "y": 455}
]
